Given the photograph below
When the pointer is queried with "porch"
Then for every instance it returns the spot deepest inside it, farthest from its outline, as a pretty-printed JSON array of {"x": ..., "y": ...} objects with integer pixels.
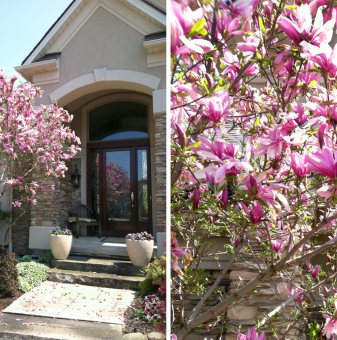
[{"x": 102, "y": 247}]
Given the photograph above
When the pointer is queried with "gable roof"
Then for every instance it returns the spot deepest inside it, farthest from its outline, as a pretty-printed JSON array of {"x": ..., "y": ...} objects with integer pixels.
[{"x": 145, "y": 9}]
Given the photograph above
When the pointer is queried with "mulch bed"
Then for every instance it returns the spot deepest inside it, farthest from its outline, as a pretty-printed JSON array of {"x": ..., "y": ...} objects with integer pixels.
[
  {"x": 140, "y": 326},
  {"x": 6, "y": 301}
]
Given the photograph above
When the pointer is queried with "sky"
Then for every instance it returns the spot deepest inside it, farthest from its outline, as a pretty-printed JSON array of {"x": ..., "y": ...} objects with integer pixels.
[{"x": 23, "y": 23}]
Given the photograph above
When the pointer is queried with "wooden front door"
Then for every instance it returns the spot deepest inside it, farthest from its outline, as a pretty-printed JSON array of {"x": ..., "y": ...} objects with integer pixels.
[{"x": 119, "y": 186}]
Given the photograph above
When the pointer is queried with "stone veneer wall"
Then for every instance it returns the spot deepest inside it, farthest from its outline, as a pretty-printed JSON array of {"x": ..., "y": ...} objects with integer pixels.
[
  {"x": 52, "y": 209},
  {"x": 269, "y": 295},
  {"x": 247, "y": 312},
  {"x": 20, "y": 231},
  {"x": 160, "y": 162}
]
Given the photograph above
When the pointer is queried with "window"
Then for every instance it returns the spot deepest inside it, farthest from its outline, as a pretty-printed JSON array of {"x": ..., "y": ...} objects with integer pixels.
[{"x": 118, "y": 120}]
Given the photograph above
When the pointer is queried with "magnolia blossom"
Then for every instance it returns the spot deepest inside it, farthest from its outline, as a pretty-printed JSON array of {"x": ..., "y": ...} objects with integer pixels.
[
  {"x": 251, "y": 335},
  {"x": 299, "y": 164},
  {"x": 255, "y": 213},
  {"x": 16, "y": 204},
  {"x": 278, "y": 245},
  {"x": 301, "y": 29},
  {"x": 315, "y": 271},
  {"x": 330, "y": 328}
]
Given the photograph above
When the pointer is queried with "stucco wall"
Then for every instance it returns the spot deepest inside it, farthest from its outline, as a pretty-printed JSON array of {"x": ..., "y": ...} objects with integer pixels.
[{"x": 103, "y": 41}]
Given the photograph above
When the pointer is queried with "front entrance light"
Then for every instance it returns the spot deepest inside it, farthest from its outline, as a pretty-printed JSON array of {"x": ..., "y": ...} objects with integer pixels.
[{"x": 76, "y": 177}]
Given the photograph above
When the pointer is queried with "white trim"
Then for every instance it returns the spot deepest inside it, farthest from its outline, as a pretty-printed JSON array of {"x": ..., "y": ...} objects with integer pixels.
[
  {"x": 156, "y": 52},
  {"x": 81, "y": 11},
  {"x": 142, "y": 81},
  {"x": 99, "y": 74},
  {"x": 148, "y": 10},
  {"x": 155, "y": 43},
  {"x": 159, "y": 101},
  {"x": 28, "y": 71},
  {"x": 53, "y": 31}
]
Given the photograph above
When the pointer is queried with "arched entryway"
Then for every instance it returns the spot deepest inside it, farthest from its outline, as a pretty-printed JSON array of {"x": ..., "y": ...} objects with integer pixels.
[{"x": 118, "y": 166}]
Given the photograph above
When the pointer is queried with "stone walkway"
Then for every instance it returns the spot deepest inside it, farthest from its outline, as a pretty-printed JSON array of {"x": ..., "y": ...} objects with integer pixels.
[{"x": 74, "y": 302}]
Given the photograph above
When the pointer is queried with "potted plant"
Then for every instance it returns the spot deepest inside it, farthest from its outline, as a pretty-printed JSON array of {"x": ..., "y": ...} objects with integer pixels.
[
  {"x": 60, "y": 243},
  {"x": 140, "y": 248}
]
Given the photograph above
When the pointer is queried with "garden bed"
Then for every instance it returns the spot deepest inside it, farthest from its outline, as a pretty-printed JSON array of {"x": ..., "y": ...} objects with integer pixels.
[
  {"x": 132, "y": 325},
  {"x": 6, "y": 301}
]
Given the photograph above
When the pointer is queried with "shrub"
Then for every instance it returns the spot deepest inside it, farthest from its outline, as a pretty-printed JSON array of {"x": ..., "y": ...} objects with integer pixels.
[
  {"x": 25, "y": 258},
  {"x": 8, "y": 273},
  {"x": 46, "y": 259},
  {"x": 147, "y": 288},
  {"x": 157, "y": 270},
  {"x": 31, "y": 274}
]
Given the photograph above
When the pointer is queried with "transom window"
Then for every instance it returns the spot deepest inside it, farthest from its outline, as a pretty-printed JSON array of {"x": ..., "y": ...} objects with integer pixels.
[{"x": 118, "y": 120}]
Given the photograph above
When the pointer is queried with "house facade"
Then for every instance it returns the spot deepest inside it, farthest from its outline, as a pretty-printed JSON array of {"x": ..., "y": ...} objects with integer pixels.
[{"x": 104, "y": 62}]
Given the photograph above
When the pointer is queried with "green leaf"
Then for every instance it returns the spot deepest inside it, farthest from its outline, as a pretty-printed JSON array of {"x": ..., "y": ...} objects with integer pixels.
[
  {"x": 185, "y": 203},
  {"x": 197, "y": 27},
  {"x": 196, "y": 145},
  {"x": 210, "y": 186},
  {"x": 223, "y": 187},
  {"x": 262, "y": 202},
  {"x": 261, "y": 25},
  {"x": 203, "y": 32}
]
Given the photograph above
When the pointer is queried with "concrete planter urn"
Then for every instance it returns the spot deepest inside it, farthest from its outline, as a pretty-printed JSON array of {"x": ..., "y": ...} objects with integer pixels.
[
  {"x": 140, "y": 248},
  {"x": 60, "y": 243}
]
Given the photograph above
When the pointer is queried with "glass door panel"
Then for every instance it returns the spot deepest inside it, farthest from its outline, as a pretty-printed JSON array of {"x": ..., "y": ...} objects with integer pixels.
[
  {"x": 142, "y": 186},
  {"x": 94, "y": 180},
  {"x": 118, "y": 186}
]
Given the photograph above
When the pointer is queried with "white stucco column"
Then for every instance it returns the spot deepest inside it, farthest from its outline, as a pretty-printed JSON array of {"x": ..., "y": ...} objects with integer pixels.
[{"x": 159, "y": 112}]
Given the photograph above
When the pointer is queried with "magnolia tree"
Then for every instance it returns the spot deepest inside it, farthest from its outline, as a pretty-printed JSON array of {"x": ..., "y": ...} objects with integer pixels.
[
  {"x": 31, "y": 141},
  {"x": 265, "y": 70}
]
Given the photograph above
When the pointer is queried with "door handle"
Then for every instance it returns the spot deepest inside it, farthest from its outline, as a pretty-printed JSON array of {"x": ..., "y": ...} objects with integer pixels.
[{"x": 132, "y": 197}]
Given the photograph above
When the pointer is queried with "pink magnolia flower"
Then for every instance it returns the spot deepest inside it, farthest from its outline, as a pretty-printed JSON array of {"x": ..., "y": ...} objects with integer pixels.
[
  {"x": 316, "y": 271},
  {"x": 255, "y": 213},
  {"x": 324, "y": 56},
  {"x": 322, "y": 161},
  {"x": 299, "y": 164},
  {"x": 269, "y": 193},
  {"x": 330, "y": 328},
  {"x": 182, "y": 20},
  {"x": 245, "y": 9},
  {"x": 217, "y": 107},
  {"x": 278, "y": 245},
  {"x": 271, "y": 145},
  {"x": 226, "y": 23},
  {"x": 233, "y": 65},
  {"x": 218, "y": 148},
  {"x": 297, "y": 291},
  {"x": 16, "y": 204},
  {"x": 224, "y": 199},
  {"x": 300, "y": 29},
  {"x": 251, "y": 335},
  {"x": 248, "y": 48},
  {"x": 176, "y": 252},
  {"x": 232, "y": 166},
  {"x": 200, "y": 46}
]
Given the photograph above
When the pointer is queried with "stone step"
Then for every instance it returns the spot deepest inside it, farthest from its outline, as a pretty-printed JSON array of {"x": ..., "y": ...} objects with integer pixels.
[
  {"x": 94, "y": 279},
  {"x": 99, "y": 265},
  {"x": 95, "y": 247}
]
